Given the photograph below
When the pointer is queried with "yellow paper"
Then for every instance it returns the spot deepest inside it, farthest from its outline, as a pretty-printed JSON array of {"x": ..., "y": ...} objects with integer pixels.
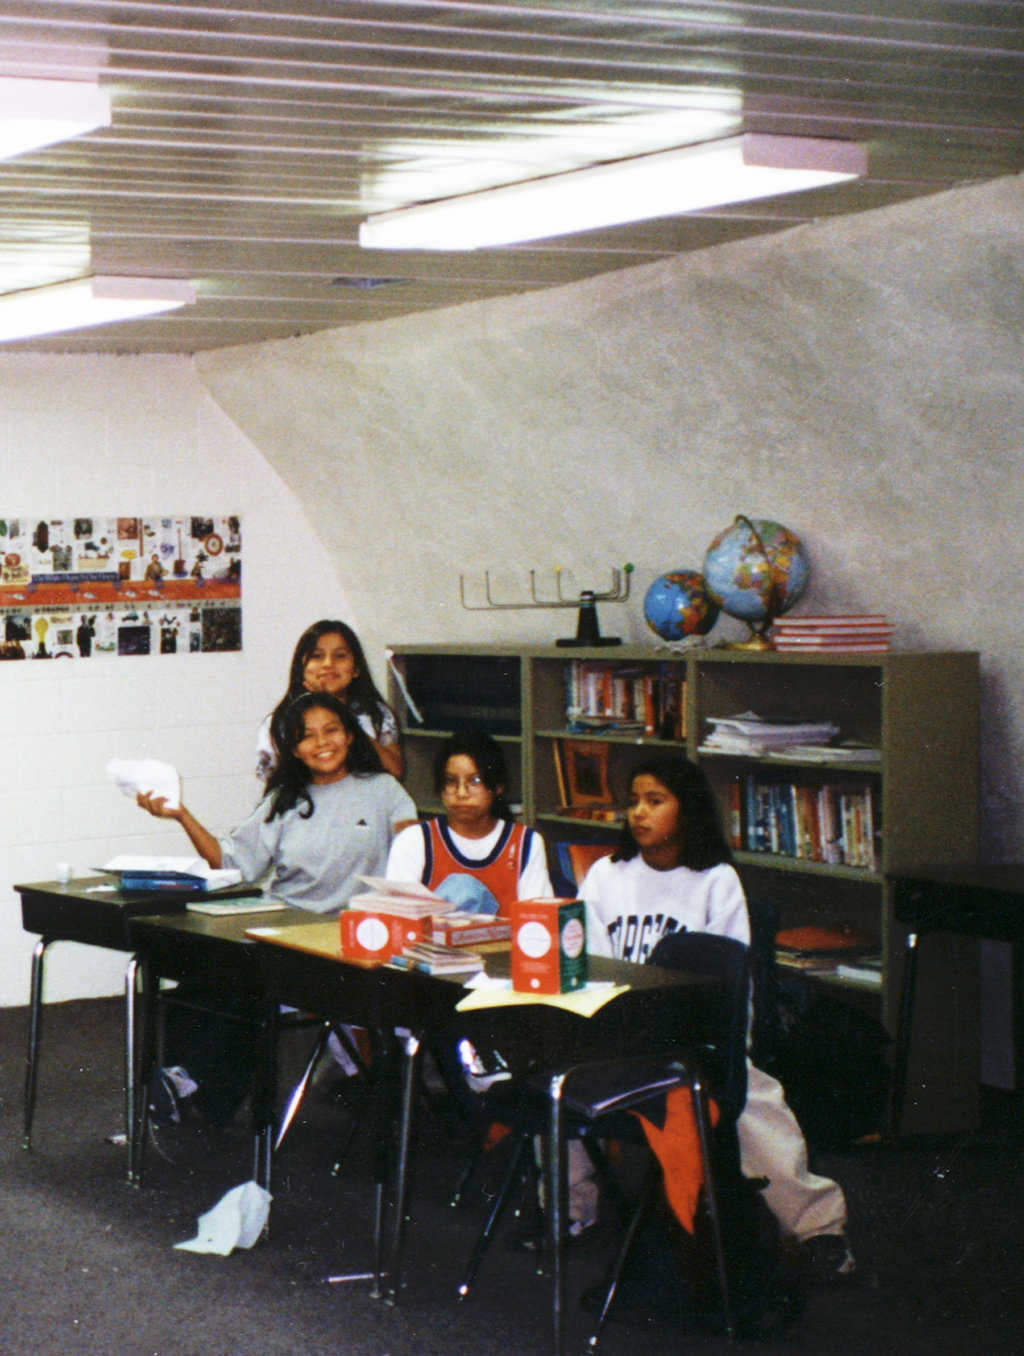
[{"x": 585, "y": 1002}]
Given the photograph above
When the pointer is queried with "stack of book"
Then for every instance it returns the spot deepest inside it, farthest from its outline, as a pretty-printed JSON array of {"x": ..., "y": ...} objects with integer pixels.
[
  {"x": 403, "y": 899},
  {"x": 752, "y": 736},
  {"x": 434, "y": 959},
  {"x": 839, "y": 951},
  {"x": 842, "y": 632},
  {"x": 469, "y": 929},
  {"x": 180, "y": 875}
]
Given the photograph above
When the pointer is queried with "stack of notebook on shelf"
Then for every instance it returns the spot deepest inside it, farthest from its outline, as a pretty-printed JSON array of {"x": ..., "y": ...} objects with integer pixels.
[
  {"x": 840, "y": 951},
  {"x": 838, "y": 632},
  {"x": 752, "y": 736}
]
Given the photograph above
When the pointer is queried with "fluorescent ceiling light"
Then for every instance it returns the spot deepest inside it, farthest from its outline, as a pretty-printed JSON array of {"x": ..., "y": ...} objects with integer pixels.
[
  {"x": 426, "y": 168},
  {"x": 36, "y": 113},
  {"x": 711, "y": 174},
  {"x": 88, "y": 301}
]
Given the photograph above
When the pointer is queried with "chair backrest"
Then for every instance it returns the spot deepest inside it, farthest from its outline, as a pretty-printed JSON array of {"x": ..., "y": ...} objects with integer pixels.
[
  {"x": 573, "y": 861},
  {"x": 764, "y": 1033},
  {"x": 725, "y": 1049}
]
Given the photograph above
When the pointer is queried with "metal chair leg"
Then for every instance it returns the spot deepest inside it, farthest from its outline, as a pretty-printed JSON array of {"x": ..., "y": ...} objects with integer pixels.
[
  {"x": 501, "y": 1200},
  {"x": 34, "y": 1028},
  {"x": 701, "y": 1115},
  {"x": 640, "y": 1210},
  {"x": 299, "y": 1091},
  {"x": 558, "y": 1208}
]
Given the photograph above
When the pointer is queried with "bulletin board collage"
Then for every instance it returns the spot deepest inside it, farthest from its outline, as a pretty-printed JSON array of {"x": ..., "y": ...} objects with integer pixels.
[{"x": 83, "y": 588}]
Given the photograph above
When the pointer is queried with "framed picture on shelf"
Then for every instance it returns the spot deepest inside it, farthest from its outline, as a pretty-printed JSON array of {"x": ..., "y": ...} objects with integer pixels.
[{"x": 585, "y": 765}]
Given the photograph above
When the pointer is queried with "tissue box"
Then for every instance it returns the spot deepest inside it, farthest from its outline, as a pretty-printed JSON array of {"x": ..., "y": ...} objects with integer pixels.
[
  {"x": 372, "y": 934},
  {"x": 549, "y": 945}
]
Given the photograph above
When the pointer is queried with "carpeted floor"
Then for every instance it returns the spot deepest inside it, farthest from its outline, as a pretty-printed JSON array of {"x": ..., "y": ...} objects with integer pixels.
[{"x": 88, "y": 1264}]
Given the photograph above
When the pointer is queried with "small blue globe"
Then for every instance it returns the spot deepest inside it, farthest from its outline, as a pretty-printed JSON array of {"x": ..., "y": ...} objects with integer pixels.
[{"x": 678, "y": 604}]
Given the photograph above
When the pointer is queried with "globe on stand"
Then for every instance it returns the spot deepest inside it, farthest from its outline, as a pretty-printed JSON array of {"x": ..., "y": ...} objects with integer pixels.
[
  {"x": 755, "y": 570},
  {"x": 678, "y": 604}
]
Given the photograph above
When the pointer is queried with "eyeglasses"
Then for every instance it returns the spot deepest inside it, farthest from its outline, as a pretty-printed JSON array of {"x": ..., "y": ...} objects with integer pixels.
[{"x": 449, "y": 785}]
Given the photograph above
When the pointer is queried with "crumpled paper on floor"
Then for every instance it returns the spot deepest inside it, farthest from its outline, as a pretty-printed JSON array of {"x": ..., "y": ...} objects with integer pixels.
[{"x": 236, "y": 1221}]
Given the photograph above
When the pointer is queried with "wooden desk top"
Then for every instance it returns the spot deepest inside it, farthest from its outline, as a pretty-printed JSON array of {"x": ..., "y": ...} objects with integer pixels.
[{"x": 323, "y": 939}]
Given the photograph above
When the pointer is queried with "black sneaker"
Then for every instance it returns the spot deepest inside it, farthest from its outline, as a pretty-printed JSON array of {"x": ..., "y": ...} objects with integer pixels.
[{"x": 827, "y": 1260}]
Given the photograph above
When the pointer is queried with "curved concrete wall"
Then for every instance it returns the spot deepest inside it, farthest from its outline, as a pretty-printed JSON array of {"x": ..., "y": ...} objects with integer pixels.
[{"x": 859, "y": 379}]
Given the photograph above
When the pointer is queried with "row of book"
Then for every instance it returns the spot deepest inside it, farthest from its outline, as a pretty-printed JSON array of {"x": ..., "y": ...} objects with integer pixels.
[
  {"x": 839, "y": 632},
  {"x": 835, "y": 824},
  {"x": 649, "y": 699}
]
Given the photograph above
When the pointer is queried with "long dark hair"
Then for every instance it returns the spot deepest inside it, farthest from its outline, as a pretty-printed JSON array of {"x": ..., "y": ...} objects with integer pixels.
[
  {"x": 704, "y": 844},
  {"x": 288, "y": 784},
  {"x": 486, "y": 753},
  {"x": 362, "y": 694}
]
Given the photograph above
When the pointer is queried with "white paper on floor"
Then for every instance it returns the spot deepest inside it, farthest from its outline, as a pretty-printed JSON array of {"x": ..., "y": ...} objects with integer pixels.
[{"x": 236, "y": 1221}]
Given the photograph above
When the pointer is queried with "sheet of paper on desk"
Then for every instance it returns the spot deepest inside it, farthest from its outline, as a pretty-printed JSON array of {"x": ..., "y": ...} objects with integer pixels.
[
  {"x": 500, "y": 994},
  {"x": 148, "y": 776}
]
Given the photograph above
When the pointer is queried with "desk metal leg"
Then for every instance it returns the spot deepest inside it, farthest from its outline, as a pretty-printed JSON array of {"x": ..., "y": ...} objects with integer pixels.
[
  {"x": 34, "y": 1027},
  {"x": 144, "y": 1015},
  {"x": 410, "y": 1062},
  {"x": 901, "y": 1054},
  {"x": 264, "y": 1097},
  {"x": 130, "y": 1071}
]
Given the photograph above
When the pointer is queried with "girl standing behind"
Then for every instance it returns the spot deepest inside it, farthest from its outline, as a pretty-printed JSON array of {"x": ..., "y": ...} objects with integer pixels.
[
  {"x": 474, "y": 854},
  {"x": 672, "y": 871},
  {"x": 328, "y": 816},
  {"x": 329, "y": 658}
]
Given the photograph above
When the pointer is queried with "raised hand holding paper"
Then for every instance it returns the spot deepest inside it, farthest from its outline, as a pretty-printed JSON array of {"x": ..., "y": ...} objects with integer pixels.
[{"x": 147, "y": 776}]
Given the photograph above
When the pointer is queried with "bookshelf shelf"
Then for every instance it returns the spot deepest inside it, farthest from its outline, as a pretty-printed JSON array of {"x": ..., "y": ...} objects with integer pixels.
[
  {"x": 918, "y": 709},
  {"x": 781, "y": 862}
]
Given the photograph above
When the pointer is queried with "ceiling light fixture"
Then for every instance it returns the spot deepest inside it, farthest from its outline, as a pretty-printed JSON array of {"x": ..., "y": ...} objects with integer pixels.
[
  {"x": 35, "y": 113},
  {"x": 666, "y": 183},
  {"x": 88, "y": 301}
]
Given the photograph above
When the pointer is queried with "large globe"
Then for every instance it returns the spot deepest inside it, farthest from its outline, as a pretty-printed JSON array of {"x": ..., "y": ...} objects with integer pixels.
[
  {"x": 756, "y": 570},
  {"x": 678, "y": 604}
]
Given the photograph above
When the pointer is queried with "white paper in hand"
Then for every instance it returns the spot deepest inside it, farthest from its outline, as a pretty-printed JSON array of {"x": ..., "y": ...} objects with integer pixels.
[
  {"x": 147, "y": 775},
  {"x": 236, "y": 1221}
]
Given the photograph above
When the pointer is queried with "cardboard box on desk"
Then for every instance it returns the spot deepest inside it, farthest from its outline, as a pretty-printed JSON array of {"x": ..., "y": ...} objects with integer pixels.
[
  {"x": 372, "y": 934},
  {"x": 549, "y": 945}
]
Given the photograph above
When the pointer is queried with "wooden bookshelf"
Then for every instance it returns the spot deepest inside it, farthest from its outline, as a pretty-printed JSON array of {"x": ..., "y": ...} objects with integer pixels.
[{"x": 918, "y": 709}]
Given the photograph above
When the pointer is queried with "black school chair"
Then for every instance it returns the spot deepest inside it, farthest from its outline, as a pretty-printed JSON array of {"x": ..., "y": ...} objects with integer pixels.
[{"x": 588, "y": 1101}]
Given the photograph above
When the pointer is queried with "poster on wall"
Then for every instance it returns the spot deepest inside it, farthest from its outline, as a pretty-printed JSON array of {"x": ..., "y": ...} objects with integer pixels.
[{"x": 88, "y": 588}]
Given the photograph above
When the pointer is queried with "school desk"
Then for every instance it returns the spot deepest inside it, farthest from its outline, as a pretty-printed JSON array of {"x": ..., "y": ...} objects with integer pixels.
[
  {"x": 966, "y": 899},
  {"x": 85, "y": 910},
  {"x": 303, "y": 966},
  {"x": 213, "y": 952}
]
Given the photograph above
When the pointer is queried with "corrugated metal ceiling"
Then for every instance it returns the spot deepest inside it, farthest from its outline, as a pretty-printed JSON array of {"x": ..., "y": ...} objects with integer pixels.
[{"x": 250, "y": 139}]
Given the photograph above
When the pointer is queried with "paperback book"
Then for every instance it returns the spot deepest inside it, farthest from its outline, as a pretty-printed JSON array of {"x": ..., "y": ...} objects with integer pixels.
[{"x": 433, "y": 958}]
